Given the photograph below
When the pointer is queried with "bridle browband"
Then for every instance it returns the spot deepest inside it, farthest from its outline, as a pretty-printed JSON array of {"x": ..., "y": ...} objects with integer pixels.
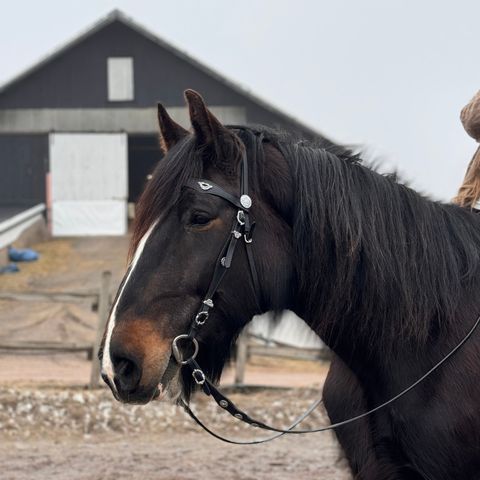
[{"x": 242, "y": 230}]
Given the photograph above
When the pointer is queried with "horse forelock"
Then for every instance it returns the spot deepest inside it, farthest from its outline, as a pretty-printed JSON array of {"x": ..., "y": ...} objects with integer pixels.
[{"x": 163, "y": 190}]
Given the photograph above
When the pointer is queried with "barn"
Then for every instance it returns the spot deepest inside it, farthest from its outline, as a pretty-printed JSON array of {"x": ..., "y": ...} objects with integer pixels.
[
  {"x": 78, "y": 129},
  {"x": 78, "y": 133}
]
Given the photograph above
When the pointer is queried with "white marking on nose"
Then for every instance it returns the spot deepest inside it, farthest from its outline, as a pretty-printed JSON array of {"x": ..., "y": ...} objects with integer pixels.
[{"x": 107, "y": 366}]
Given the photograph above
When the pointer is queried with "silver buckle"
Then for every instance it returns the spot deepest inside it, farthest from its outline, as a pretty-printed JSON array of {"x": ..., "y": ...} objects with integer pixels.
[
  {"x": 201, "y": 318},
  {"x": 241, "y": 217},
  {"x": 198, "y": 376},
  {"x": 176, "y": 350}
]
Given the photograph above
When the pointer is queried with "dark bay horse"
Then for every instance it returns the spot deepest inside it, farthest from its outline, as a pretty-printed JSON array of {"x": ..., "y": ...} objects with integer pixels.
[{"x": 389, "y": 279}]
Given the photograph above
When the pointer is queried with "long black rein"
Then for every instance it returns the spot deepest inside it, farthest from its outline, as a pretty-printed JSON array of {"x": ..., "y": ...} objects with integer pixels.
[{"x": 242, "y": 230}]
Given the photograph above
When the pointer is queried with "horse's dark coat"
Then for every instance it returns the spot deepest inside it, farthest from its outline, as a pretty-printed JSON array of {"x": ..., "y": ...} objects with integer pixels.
[{"x": 389, "y": 279}]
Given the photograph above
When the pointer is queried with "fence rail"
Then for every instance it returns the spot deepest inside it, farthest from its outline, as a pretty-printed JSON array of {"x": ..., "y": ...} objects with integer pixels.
[
  {"x": 100, "y": 302},
  {"x": 247, "y": 345},
  {"x": 45, "y": 347},
  {"x": 49, "y": 296}
]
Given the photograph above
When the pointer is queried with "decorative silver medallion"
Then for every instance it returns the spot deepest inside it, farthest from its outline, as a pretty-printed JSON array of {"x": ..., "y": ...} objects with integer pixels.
[
  {"x": 245, "y": 201},
  {"x": 205, "y": 185}
]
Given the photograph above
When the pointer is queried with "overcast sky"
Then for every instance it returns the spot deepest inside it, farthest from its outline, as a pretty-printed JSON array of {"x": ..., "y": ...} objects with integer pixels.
[{"x": 392, "y": 75}]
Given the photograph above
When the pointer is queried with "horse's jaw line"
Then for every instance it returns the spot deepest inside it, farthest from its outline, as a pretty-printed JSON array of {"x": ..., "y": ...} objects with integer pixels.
[
  {"x": 107, "y": 365},
  {"x": 167, "y": 393},
  {"x": 170, "y": 386}
]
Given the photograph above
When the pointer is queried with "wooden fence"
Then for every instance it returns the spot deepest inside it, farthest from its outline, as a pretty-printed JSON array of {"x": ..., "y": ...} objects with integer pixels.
[
  {"x": 100, "y": 301},
  {"x": 247, "y": 344}
]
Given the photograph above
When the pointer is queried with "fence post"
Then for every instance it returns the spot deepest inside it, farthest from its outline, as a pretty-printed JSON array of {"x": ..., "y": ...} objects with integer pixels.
[
  {"x": 242, "y": 357},
  {"x": 103, "y": 308}
]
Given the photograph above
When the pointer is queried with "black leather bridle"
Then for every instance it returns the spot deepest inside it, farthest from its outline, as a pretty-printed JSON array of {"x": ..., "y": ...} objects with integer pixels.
[{"x": 242, "y": 231}]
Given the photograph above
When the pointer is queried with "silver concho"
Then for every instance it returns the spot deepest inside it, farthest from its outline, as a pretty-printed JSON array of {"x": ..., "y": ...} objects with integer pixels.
[
  {"x": 245, "y": 201},
  {"x": 205, "y": 185}
]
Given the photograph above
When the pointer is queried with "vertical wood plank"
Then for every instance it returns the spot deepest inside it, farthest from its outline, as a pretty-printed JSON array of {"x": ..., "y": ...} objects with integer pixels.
[
  {"x": 103, "y": 309},
  {"x": 242, "y": 357}
]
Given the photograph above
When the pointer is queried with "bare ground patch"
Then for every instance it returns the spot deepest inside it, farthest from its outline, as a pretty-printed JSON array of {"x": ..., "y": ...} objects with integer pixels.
[{"x": 73, "y": 434}]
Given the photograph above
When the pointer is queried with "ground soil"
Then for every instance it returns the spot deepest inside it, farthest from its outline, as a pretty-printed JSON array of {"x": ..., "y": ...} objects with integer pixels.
[{"x": 51, "y": 427}]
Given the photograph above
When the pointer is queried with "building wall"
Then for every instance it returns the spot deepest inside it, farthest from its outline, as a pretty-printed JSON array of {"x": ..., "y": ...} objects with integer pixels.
[
  {"x": 77, "y": 79},
  {"x": 23, "y": 165}
]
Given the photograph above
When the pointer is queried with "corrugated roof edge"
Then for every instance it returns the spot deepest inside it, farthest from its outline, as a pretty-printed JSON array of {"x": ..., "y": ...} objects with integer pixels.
[{"x": 117, "y": 15}]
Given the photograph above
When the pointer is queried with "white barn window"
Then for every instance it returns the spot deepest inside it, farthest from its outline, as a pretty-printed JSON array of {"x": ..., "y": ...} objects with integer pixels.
[{"x": 120, "y": 79}]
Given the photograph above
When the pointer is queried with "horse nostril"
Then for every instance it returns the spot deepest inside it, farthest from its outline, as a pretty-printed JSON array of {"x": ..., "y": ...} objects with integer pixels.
[{"x": 127, "y": 373}]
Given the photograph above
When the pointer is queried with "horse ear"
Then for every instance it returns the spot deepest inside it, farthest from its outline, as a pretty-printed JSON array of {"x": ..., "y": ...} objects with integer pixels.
[
  {"x": 210, "y": 132},
  {"x": 170, "y": 132},
  {"x": 204, "y": 123}
]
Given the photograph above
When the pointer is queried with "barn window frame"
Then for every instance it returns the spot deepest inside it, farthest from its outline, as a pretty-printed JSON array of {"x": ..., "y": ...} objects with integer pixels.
[{"x": 120, "y": 79}]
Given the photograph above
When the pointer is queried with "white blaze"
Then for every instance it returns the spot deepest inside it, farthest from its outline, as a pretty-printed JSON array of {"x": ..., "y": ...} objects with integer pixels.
[{"x": 107, "y": 366}]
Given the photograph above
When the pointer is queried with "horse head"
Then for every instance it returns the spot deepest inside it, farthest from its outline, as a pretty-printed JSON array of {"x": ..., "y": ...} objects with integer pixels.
[{"x": 179, "y": 236}]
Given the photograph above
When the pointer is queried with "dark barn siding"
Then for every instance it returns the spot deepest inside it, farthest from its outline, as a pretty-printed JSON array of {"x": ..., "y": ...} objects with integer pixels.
[
  {"x": 23, "y": 164},
  {"x": 143, "y": 155},
  {"x": 78, "y": 78}
]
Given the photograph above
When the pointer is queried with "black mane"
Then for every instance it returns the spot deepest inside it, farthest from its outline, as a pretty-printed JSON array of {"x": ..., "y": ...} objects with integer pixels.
[
  {"x": 368, "y": 249},
  {"x": 373, "y": 251}
]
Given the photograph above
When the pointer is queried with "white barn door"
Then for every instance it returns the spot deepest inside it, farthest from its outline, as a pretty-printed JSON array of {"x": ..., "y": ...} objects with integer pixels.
[{"x": 89, "y": 183}]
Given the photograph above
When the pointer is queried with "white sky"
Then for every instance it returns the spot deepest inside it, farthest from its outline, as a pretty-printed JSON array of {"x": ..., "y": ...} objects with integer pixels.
[{"x": 391, "y": 75}]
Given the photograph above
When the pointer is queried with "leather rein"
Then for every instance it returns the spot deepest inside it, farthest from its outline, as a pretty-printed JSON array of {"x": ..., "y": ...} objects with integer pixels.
[{"x": 242, "y": 231}]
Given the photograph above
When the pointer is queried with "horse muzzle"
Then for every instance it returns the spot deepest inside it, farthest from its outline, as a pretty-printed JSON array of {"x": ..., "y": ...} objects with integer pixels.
[{"x": 142, "y": 366}]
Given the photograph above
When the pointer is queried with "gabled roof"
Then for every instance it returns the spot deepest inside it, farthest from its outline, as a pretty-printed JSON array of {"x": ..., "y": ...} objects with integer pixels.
[{"x": 117, "y": 15}]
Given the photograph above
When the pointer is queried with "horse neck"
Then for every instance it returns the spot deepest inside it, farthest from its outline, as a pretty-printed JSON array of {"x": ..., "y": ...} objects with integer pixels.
[{"x": 377, "y": 264}]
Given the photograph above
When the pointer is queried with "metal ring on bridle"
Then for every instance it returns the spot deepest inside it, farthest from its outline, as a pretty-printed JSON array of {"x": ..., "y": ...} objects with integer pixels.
[{"x": 176, "y": 350}]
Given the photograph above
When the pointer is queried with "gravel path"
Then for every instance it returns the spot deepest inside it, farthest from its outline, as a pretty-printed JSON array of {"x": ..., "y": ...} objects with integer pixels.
[
  {"x": 171, "y": 457},
  {"x": 76, "y": 435}
]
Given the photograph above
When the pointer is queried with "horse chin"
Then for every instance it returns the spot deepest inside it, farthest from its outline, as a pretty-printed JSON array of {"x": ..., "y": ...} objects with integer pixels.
[
  {"x": 170, "y": 394},
  {"x": 170, "y": 387}
]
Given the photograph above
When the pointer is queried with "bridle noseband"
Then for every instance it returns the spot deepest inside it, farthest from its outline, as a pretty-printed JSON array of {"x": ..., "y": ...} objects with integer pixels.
[{"x": 242, "y": 230}]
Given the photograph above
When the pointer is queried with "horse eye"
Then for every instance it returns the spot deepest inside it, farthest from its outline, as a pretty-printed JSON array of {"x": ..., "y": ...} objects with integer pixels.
[{"x": 200, "y": 219}]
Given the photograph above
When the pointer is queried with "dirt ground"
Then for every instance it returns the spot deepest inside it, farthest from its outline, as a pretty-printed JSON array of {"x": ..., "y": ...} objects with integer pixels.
[
  {"x": 76, "y": 435},
  {"x": 51, "y": 427},
  {"x": 177, "y": 457}
]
